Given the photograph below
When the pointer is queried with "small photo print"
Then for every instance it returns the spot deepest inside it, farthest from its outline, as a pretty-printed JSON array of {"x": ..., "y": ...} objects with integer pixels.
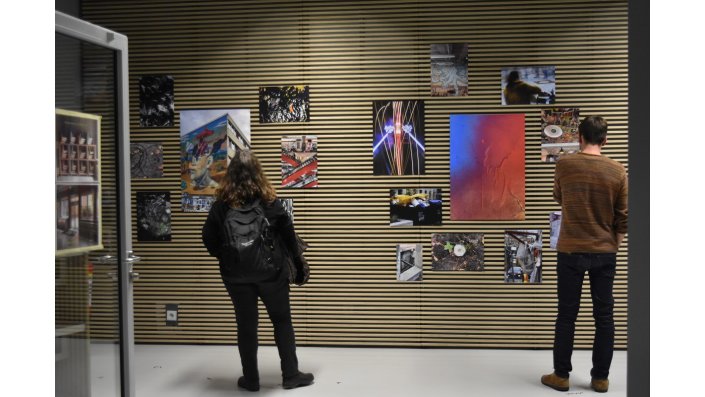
[
  {"x": 458, "y": 252},
  {"x": 288, "y": 207},
  {"x": 522, "y": 256},
  {"x": 156, "y": 101},
  {"x": 415, "y": 207},
  {"x": 153, "y": 216},
  {"x": 288, "y": 104},
  {"x": 559, "y": 133},
  {"x": 529, "y": 85},
  {"x": 409, "y": 262},
  {"x": 555, "y": 220},
  {"x": 398, "y": 143},
  {"x": 299, "y": 161},
  {"x": 146, "y": 160},
  {"x": 449, "y": 69}
]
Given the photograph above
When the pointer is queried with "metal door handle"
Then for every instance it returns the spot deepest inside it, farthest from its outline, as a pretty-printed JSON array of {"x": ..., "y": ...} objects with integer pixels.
[
  {"x": 107, "y": 260},
  {"x": 131, "y": 258},
  {"x": 112, "y": 275},
  {"x": 134, "y": 276}
]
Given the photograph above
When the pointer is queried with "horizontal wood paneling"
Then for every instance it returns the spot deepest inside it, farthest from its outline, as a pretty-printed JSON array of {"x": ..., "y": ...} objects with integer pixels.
[{"x": 351, "y": 53}]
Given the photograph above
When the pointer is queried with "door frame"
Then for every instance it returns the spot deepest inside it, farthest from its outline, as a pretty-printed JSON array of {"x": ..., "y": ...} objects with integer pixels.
[{"x": 94, "y": 34}]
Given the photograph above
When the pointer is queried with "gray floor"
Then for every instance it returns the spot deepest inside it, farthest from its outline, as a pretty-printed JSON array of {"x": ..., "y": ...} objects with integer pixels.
[{"x": 189, "y": 371}]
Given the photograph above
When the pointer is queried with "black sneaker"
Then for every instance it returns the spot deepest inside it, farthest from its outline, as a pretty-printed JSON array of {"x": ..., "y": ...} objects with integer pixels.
[
  {"x": 298, "y": 380},
  {"x": 248, "y": 385}
]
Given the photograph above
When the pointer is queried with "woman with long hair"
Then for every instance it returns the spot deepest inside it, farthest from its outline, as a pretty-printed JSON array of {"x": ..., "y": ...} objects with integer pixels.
[{"x": 246, "y": 189}]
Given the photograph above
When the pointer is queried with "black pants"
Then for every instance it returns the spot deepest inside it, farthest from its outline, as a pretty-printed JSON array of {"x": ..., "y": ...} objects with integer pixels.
[
  {"x": 571, "y": 271},
  {"x": 275, "y": 296}
]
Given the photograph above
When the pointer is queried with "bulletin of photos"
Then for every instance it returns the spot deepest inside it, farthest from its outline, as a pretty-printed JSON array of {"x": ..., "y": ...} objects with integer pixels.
[{"x": 487, "y": 161}]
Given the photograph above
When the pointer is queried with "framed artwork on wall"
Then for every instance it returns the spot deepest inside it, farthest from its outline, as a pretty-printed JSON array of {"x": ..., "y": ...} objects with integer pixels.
[{"x": 78, "y": 189}]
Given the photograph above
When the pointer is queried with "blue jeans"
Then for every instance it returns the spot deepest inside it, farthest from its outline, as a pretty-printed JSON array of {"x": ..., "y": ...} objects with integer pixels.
[{"x": 571, "y": 271}]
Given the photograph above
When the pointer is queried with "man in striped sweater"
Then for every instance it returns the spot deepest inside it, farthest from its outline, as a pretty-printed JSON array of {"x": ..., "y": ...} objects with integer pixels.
[{"x": 592, "y": 192}]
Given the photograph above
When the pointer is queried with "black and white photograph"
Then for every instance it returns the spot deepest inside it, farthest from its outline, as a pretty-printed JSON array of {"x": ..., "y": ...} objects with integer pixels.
[
  {"x": 146, "y": 160},
  {"x": 409, "y": 262},
  {"x": 156, "y": 101},
  {"x": 153, "y": 216}
]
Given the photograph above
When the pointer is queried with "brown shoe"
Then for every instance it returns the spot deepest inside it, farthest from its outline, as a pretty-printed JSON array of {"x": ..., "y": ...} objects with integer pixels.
[
  {"x": 556, "y": 382},
  {"x": 600, "y": 385}
]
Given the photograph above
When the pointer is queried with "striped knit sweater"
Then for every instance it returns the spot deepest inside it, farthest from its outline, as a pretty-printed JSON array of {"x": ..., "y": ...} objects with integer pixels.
[{"x": 592, "y": 192}]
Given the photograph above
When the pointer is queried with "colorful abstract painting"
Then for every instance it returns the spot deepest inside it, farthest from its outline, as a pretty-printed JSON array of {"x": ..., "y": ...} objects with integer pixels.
[
  {"x": 458, "y": 252},
  {"x": 559, "y": 133},
  {"x": 153, "y": 216},
  {"x": 415, "y": 207},
  {"x": 146, "y": 160},
  {"x": 522, "y": 256},
  {"x": 398, "y": 140},
  {"x": 300, "y": 161},
  {"x": 156, "y": 101},
  {"x": 529, "y": 85},
  {"x": 209, "y": 138},
  {"x": 487, "y": 167},
  {"x": 449, "y": 69},
  {"x": 288, "y": 104},
  {"x": 409, "y": 262}
]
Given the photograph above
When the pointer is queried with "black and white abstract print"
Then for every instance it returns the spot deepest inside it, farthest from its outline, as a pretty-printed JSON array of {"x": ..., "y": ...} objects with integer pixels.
[
  {"x": 153, "y": 216},
  {"x": 156, "y": 101},
  {"x": 146, "y": 160}
]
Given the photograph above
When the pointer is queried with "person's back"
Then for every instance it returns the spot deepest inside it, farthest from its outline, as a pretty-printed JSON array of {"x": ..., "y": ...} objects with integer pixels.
[{"x": 592, "y": 191}]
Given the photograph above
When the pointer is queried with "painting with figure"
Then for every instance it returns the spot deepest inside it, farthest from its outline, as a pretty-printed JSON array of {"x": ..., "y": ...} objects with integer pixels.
[
  {"x": 449, "y": 69},
  {"x": 299, "y": 161},
  {"x": 287, "y": 104},
  {"x": 156, "y": 101},
  {"x": 522, "y": 256},
  {"x": 415, "y": 207},
  {"x": 209, "y": 138},
  {"x": 559, "y": 133},
  {"x": 409, "y": 262},
  {"x": 146, "y": 160},
  {"x": 153, "y": 216},
  {"x": 458, "y": 251},
  {"x": 555, "y": 221},
  {"x": 487, "y": 167},
  {"x": 398, "y": 138},
  {"x": 77, "y": 182},
  {"x": 529, "y": 85}
]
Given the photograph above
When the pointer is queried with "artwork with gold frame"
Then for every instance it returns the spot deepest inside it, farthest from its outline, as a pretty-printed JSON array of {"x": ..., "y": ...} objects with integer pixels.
[{"x": 78, "y": 189}]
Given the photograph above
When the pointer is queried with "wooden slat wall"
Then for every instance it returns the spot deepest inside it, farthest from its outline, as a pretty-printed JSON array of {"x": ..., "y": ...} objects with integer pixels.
[{"x": 351, "y": 53}]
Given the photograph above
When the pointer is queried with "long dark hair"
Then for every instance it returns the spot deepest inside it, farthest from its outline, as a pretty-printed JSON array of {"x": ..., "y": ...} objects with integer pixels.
[{"x": 245, "y": 181}]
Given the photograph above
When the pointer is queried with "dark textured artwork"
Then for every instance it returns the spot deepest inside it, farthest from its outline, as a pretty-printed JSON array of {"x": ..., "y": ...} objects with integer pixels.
[
  {"x": 522, "y": 256},
  {"x": 398, "y": 138},
  {"x": 146, "y": 160},
  {"x": 153, "y": 216},
  {"x": 458, "y": 252},
  {"x": 288, "y": 104},
  {"x": 449, "y": 69},
  {"x": 156, "y": 101}
]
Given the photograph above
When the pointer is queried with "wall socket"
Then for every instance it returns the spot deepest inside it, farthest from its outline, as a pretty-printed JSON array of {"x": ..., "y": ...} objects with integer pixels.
[{"x": 172, "y": 314}]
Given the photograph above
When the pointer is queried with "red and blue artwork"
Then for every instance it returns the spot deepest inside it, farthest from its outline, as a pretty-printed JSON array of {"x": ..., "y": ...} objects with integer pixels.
[{"x": 487, "y": 167}]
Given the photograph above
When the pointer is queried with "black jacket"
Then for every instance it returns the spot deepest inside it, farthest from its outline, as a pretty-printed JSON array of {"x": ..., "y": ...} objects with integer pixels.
[{"x": 287, "y": 249}]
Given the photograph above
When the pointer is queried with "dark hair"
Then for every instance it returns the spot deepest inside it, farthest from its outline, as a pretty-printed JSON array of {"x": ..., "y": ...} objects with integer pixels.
[
  {"x": 512, "y": 77},
  {"x": 245, "y": 181},
  {"x": 593, "y": 129}
]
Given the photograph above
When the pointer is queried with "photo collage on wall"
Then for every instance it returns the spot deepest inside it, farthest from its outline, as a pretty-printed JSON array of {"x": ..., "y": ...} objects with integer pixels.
[
  {"x": 529, "y": 85},
  {"x": 156, "y": 101},
  {"x": 78, "y": 189},
  {"x": 409, "y": 262},
  {"x": 559, "y": 133},
  {"x": 153, "y": 216},
  {"x": 522, "y": 256},
  {"x": 415, "y": 207},
  {"x": 209, "y": 138},
  {"x": 299, "y": 161}
]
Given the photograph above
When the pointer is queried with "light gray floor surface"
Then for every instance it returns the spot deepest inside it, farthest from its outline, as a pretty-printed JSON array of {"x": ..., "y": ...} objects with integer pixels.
[{"x": 190, "y": 371}]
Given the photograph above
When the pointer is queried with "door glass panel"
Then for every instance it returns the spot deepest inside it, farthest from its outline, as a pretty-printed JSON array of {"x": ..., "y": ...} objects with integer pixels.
[{"x": 87, "y": 333}]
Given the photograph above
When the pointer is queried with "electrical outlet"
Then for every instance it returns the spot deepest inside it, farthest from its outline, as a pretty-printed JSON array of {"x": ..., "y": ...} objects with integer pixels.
[{"x": 172, "y": 314}]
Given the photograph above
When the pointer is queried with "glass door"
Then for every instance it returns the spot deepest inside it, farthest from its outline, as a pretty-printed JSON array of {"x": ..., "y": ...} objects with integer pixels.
[{"x": 93, "y": 261}]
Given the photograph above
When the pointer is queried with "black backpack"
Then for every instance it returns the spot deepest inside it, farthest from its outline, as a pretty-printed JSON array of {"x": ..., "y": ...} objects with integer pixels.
[{"x": 249, "y": 239}]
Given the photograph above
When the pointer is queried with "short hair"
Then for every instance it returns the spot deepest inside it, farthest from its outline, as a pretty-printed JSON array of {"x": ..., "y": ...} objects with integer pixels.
[{"x": 593, "y": 129}]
